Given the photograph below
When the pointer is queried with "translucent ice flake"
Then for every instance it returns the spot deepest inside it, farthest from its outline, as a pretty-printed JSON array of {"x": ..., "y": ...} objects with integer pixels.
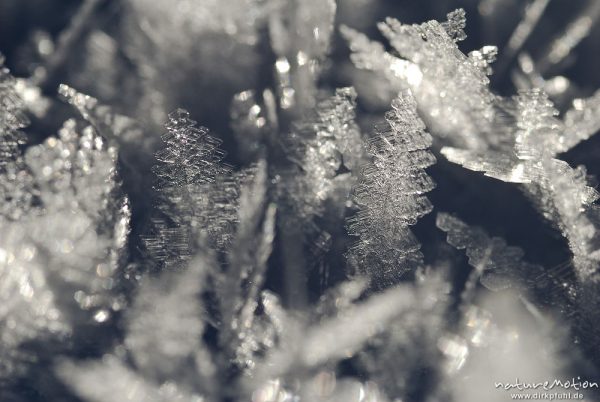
[
  {"x": 497, "y": 265},
  {"x": 197, "y": 194},
  {"x": 12, "y": 106},
  {"x": 451, "y": 88},
  {"x": 389, "y": 196},
  {"x": 457, "y": 21}
]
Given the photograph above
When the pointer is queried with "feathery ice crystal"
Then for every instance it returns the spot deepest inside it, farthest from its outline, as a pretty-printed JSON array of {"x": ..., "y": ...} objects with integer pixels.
[{"x": 392, "y": 185}]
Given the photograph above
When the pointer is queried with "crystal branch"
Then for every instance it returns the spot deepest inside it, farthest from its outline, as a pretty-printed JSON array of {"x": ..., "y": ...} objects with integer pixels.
[
  {"x": 192, "y": 186},
  {"x": 392, "y": 186},
  {"x": 496, "y": 265},
  {"x": 451, "y": 89}
]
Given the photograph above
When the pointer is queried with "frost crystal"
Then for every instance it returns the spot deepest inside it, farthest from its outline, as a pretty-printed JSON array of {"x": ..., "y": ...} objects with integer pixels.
[
  {"x": 85, "y": 218},
  {"x": 167, "y": 353},
  {"x": 322, "y": 144},
  {"x": 70, "y": 247},
  {"x": 28, "y": 305},
  {"x": 389, "y": 196},
  {"x": 109, "y": 124},
  {"x": 451, "y": 89},
  {"x": 497, "y": 265},
  {"x": 16, "y": 190},
  {"x": 560, "y": 192},
  {"x": 193, "y": 187}
]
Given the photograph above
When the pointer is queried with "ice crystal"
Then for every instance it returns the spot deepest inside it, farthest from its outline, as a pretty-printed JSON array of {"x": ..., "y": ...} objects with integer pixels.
[
  {"x": 196, "y": 192},
  {"x": 392, "y": 185},
  {"x": 496, "y": 265},
  {"x": 451, "y": 89},
  {"x": 71, "y": 245},
  {"x": 328, "y": 340},
  {"x": 16, "y": 190},
  {"x": 29, "y": 307},
  {"x": 560, "y": 192},
  {"x": 321, "y": 146},
  {"x": 85, "y": 218},
  {"x": 112, "y": 126}
]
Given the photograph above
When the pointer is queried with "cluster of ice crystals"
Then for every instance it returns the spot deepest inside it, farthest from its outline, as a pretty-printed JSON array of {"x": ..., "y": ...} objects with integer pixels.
[
  {"x": 69, "y": 247},
  {"x": 206, "y": 329},
  {"x": 560, "y": 192},
  {"x": 451, "y": 88},
  {"x": 84, "y": 220},
  {"x": 392, "y": 185},
  {"x": 310, "y": 346},
  {"x": 167, "y": 348},
  {"x": 28, "y": 306},
  {"x": 112, "y": 126}
]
